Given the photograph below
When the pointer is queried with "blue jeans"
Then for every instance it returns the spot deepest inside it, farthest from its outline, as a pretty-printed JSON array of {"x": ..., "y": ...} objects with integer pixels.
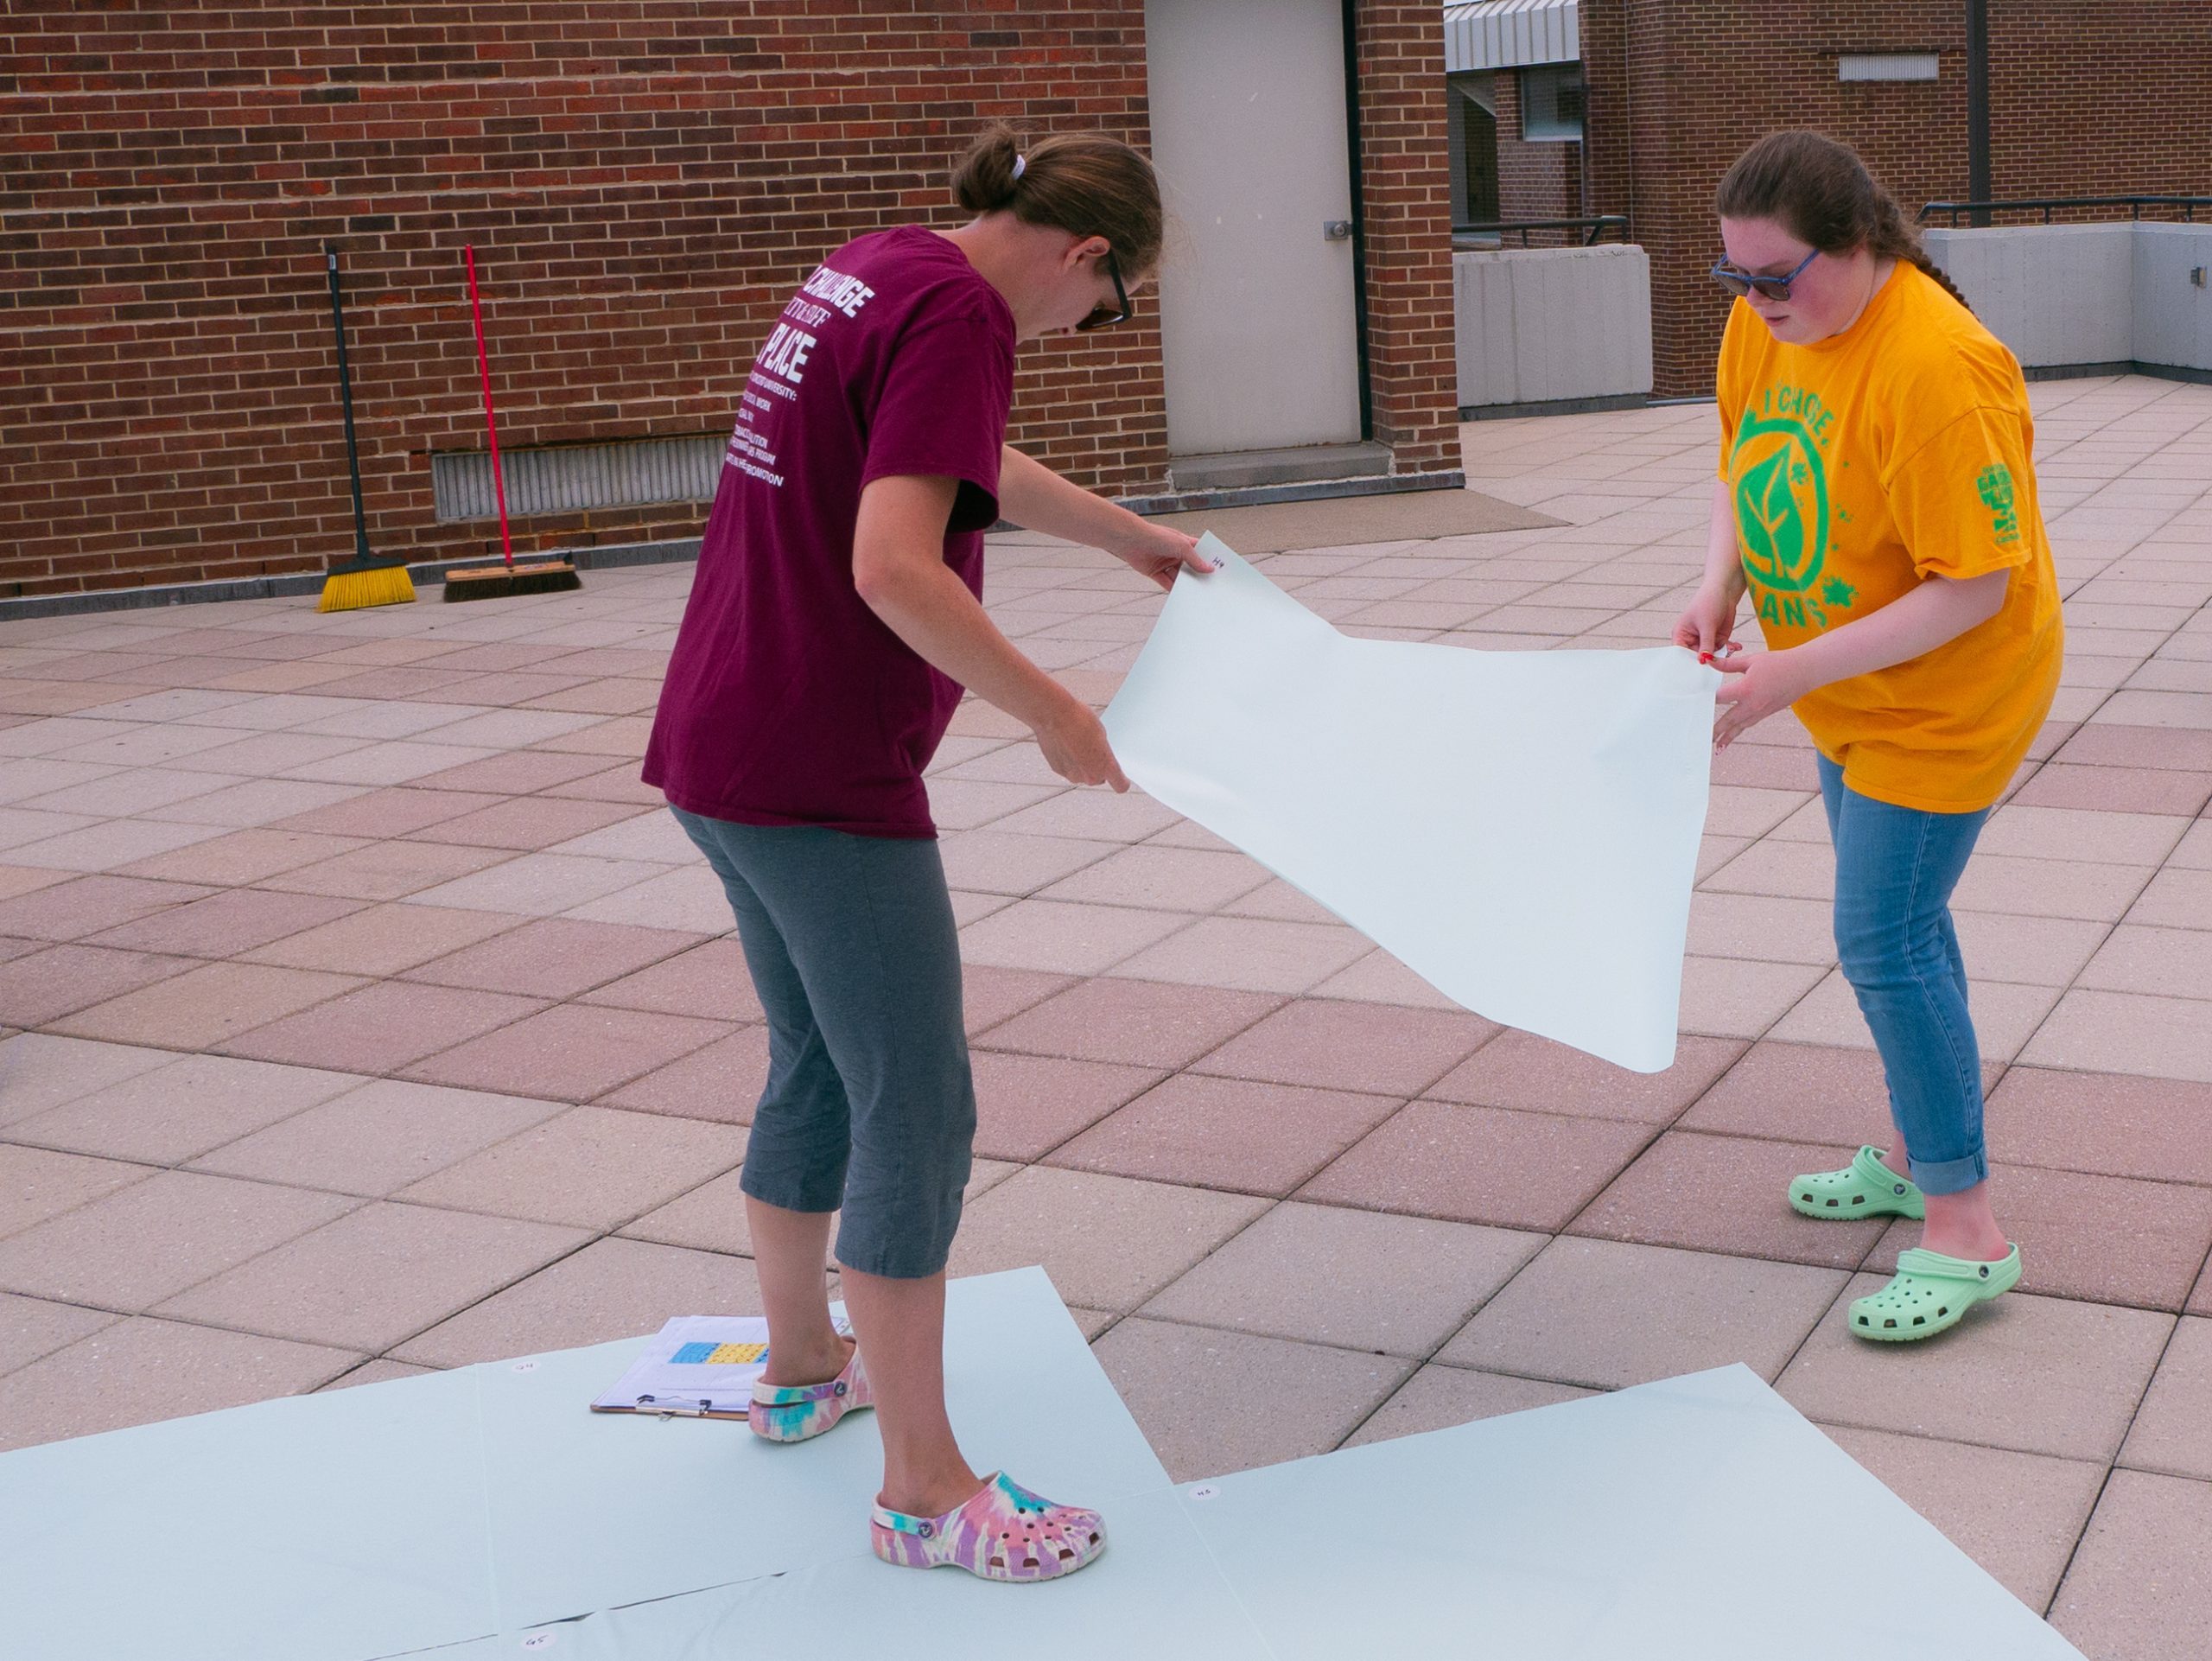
[{"x": 1895, "y": 869}]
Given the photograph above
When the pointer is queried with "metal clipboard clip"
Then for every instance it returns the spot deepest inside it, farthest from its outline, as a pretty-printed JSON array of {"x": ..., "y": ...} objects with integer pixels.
[{"x": 675, "y": 1409}]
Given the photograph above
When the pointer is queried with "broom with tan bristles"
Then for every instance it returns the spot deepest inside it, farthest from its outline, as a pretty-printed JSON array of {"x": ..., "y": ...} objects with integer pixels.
[
  {"x": 493, "y": 581},
  {"x": 364, "y": 580}
]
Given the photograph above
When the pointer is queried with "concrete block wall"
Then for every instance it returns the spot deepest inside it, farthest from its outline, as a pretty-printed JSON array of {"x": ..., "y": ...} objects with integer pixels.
[
  {"x": 2066, "y": 295},
  {"x": 2173, "y": 313},
  {"x": 1538, "y": 326}
]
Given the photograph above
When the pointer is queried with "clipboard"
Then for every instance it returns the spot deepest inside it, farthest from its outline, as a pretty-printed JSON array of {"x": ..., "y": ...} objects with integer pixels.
[{"x": 695, "y": 1367}]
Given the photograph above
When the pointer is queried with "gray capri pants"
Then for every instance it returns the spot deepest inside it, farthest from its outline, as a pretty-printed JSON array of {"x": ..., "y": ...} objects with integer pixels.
[{"x": 869, "y": 1104}]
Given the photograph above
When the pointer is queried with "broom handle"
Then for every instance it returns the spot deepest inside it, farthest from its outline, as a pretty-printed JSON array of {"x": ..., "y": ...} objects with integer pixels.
[
  {"x": 490, "y": 424},
  {"x": 345, "y": 396}
]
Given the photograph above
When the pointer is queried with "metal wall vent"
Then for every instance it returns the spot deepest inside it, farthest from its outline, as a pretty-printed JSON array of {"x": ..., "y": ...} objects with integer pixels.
[{"x": 571, "y": 478}]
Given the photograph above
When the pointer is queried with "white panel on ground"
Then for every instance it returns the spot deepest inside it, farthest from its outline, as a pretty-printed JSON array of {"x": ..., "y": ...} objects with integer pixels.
[{"x": 1518, "y": 828}]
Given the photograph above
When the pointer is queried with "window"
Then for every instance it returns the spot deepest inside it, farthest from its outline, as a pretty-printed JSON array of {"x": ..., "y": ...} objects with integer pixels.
[
  {"x": 1887, "y": 66},
  {"x": 1551, "y": 102}
]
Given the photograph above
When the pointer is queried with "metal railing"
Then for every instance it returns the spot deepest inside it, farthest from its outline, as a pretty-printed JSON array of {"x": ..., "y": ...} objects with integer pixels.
[
  {"x": 1593, "y": 228},
  {"x": 2047, "y": 205}
]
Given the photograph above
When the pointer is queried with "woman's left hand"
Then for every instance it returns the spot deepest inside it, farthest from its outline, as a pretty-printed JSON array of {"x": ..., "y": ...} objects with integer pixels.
[
  {"x": 1160, "y": 553},
  {"x": 1757, "y": 686}
]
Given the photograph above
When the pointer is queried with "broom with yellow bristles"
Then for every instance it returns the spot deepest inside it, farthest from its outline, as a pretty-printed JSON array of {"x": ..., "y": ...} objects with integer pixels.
[{"x": 363, "y": 580}]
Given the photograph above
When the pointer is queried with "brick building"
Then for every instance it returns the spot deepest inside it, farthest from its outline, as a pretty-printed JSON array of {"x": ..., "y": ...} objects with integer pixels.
[
  {"x": 2086, "y": 97},
  {"x": 642, "y": 184}
]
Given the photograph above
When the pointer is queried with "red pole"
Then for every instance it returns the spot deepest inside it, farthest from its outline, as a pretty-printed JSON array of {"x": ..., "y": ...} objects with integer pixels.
[{"x": 491, "y": 425}]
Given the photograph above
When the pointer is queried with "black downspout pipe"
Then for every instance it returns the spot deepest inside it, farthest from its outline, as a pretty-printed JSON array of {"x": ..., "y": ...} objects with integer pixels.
[
  {"x": 1977, "y": 181},
  {"x": 1358, "y": 222}
]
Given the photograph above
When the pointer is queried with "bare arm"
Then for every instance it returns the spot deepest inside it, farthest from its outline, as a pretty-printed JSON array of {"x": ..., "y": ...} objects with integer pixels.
[
  {"x": 899, "y": 571},
  {"x": 1035, "y": 497}
]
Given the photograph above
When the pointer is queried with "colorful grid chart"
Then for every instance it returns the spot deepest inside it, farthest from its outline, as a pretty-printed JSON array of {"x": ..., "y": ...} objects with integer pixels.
[{"x": 718, "y": 1355}]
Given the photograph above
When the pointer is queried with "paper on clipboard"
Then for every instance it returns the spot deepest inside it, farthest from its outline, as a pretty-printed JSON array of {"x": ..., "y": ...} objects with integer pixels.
[
  {"x": 1520, "y": 829},
  {"x": 702, "y": 1366}
]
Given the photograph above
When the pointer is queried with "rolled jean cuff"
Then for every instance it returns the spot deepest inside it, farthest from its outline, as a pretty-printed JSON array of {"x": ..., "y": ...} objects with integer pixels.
[{"x": 1950, "y": 1175}]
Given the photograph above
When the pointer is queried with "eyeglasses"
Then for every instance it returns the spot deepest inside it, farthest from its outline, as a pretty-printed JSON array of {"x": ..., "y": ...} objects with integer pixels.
[
  {"x": 1104, "y": 316},
  {"x": 1740, "y": 284}
]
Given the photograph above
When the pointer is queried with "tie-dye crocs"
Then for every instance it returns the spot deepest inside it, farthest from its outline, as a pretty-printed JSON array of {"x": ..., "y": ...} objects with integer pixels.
[
  {"x": 1005, "y": 1533},
  {"x": 795, "y": 1412}
]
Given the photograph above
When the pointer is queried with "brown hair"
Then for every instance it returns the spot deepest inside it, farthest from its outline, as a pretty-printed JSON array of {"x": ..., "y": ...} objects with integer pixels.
[
  {"x": 1819, "y": 191},
  {"x": 1084, "y": 182}
]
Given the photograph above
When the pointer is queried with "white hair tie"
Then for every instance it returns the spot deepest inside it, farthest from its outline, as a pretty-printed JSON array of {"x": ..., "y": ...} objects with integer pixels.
[{"x": 1020, "y": 163}]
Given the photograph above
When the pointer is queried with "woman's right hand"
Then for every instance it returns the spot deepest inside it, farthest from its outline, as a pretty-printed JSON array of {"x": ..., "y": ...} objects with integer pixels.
[
  {"x": 1075, "y": 745},
  {"x": 1707, "y": 625}
]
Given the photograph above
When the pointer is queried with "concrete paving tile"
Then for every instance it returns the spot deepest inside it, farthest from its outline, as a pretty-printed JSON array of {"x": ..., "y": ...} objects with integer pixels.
[
  {"x": 2049, "y": 887},
  {"x": 2017, "y": 1515},
  {"x": 997, "y": 861},
  {"x": 112, "y": 794},
  {"x": 1727, "y": 1194},
  {"x": 1988, "y": 1380},
  {"x": 1438, "y": 1397},
  {"x": 1343, "y": 1046},
  {"x": 176, "y": 1112},
  {"x": 225, "y": 924},
  {"x": 1027, "y": 1105},
  {"x": 2179, "y": 896},
  {"x": 1227, "y": 1133},
  {"x": 1096, "y": 815},
  {"x": 201, "y": 1008},
  {"x": 539, "y": 885},
  {"x": 615, "y": 783},
  {"x": 655, "y": 837},
  {"x": 2117, "y": 790},
  {"x": 376, "y": 1373},
  {"x": 150, "y": 1240},
  {"x": 376, "y": 1276},
  {"x": 1804, "y": 1092},
  {"x": 1799, "y": 870},
  {"x": 1358, "y": 1280},
  {"x": 67, "y": 908},
  {"x": 2090, "y": 834},
  {"x": 22, "y": 826},
  {"x": 612, "y": 1288},
  {"x": 720, "y": 1081},
  {"x": 515, "y": 773},
  {"x": 690, "y": 900},
  {"x": 378, "y": 1138},
  {"x": 31, "y": 1327},
  {"x": 389, "y": 870},
  {"x": 254, "y": 802},
  {"x": 138, "y": 1371},
  {"x": 1248, "y": 953},
  {"x": 1480, "y": 1165},
  {"x": 235, "y": 857},
  {"x": 268, "y": 754},
  {"x": 1059, "y": 936},
  {"x": 47, "y": 981},
  {"x": 381, "y": 1027},
  {"x": 21, "y": 879},
  {"x": 1519, "y": 1070},
  {"x": 552, "y": 957},
  {"x": 2038, "y": 950},
  {"x": 709, "y": 981},
  {"x": 527, "y": 823},
  {"x": 571, "y": 1051},
  {"x": 2173, "y": 1432},
  {"x": 36, "y": 1183},
  {"x": 1144, "y": 1024},
  {"x": 393, "y": 811},
  {"x": 1724, "y": 998},
  {"x": 1381, "y": 978},
  {"x": 2125, "y": 1032},
  {"x": 1212, "y": 1402},
  {"x": 39, "y": 1070},
  {"x": 2005, "y": 1014},
  {"x": 2139, "y": 1587},
  {"x": 592, "y": 1166},
  {"x": 1769, "y": 927},
  {"x": 1276, "y": 898},
  {"x": 2157, "y": 1129},
  {"x": 1107, "y": 1242},
  {"x": 1163, "y": 879},
  {"x": 1606, "y": 1314},
  {"x": 2138, "y": 959},
  {"x": 382, "y": 940},
  {"x": 110, "y": 845}
]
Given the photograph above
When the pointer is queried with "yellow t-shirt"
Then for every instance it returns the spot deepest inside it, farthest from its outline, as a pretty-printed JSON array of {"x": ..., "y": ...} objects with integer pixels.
[{"x": 1862, "y": 464}]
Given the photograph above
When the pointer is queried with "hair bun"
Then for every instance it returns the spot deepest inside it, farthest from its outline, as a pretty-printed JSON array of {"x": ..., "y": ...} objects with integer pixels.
[{"x": 986, "y": 180}]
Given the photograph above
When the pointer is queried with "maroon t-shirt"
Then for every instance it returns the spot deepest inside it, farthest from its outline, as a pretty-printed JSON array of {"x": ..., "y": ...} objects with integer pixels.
[{"x": 788, "y": 701}]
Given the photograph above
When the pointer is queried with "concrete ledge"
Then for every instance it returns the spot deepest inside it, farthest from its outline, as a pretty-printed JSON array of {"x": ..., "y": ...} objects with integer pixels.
[
  {"x": 1555, "y": 406},
  {"x": 1379, "y": 484},
  {"x": 1242, "y": 469},
  {"x": 2092, "y": 370}
]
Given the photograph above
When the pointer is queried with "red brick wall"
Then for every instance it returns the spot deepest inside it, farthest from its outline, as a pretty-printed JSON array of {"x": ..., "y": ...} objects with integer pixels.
[
  {"x": 1535, "y": 180},
  {"x": 2087, "y": 97},
  {"x": 1406, "y": 207}
]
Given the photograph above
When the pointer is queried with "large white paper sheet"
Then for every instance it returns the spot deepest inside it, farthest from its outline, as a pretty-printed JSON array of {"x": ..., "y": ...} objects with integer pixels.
[{"x": 1519, "y": 828}]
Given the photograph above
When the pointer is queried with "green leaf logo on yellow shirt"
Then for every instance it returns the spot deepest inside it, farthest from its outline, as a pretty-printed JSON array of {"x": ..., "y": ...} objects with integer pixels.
[
  {"x": 1994, "y": 485},
  {"x": 1782, "y": 503}
]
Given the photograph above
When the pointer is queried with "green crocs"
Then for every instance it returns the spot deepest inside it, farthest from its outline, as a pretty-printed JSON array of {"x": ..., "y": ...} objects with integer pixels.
[
  {"x": 1930, "y": 1294},
  {"x": 1865, "y": 1187}
]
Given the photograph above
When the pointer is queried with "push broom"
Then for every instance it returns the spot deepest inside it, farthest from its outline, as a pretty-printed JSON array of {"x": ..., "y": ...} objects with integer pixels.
[
  {"x": 496, "y": 581},
  {"x": 364, "y": 580}
]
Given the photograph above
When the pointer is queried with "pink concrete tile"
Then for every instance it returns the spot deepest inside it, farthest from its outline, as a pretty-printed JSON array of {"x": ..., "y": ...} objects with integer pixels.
[
  {"x": 1144, "y": 1023},
  {"x": 1060, "y": 937},
  {"x": 109, "y": 846},
  {"x": 2086, "y": 834},
  {"x": 2157, "y": 1129},
  {"x": 394, "y": 683},
  {"x": 1027, "y": 1105},
  {"x": 2117, "y": 790},
  {"x": 687, "y": 898},
  {"x": 1727, "y": 1194},
  {"x": 1342, "y": 1045},
  {"x": 151, "y": 1239},
  {"x": 1438, "y": 1397},
  {"x": 710, "y": 981},
  {"x": 389, "y": 870},
  {"x": 1381, "y": 978},
  {"x": 1276, "y": 898},
  {"x": 527, "y": 822},
  {"x": 1801, "y": 1092},
  {"x": 612, "y": 1288},
  {"x": 1762, "y": 928},
  {"x": 2127, "y": 1032},
  {"x": 202, "y": 1007},
  {"x": 397, "y": 811},
  {"x": 1249, "y": 953},
  {"x": 381, "y": 1027},
  {"x": 2109, "y": 1239},
  {"x": 1519, "y": 1070},
  {"x": 243, "y": 856},
  {"x": 2140, "y": 1583},
  {"x": 375, "y": 1372},
  {"x": 517, "y": 773},
  {"x": 1163, "y": 879},
  {"x": 375, "y": 1276},
  {"x": 552, "y": 957},
  {"x": 2109, "y": 744},
  {"x": 2172, "y": 1430},
  {"x": 43, "y": 1070},
  {"x": 376, "y": 1139},
  {"x": 539, "y": 885},
  {"x": 645, "y": 662},
  {"x": 2006, "y": 1014},
  {"x": 1794, "y": 870},
  {"x": 36, "y": 1183},
  {"x": 382, "y": 940},
  {"x": 266, "y": 755},
  {"x": 31, "y": 1327},
  {"x": 254, "y": 802},
  {"x": 138, "y": 1371},
  {"x": 616, "y": 784},
  {"x": 49, "y": 981},
  {"x": 2178, "y": 897},
  {"x": 996, "y": 862},
  {"x": 990, "y": 996},
  {"x": 624, "y": 735},
  {"x": 1723, "y": 998},
  {"x": 1098, "y": 814},
  {"x": 571, "y": 1051},
  {"x": 21, "y": 879},
  {"x": 1765, "y": 767},
  {"x": 616, "y": 696},
  {"x": 171, "y": 1114},
  {"x": 225, "y": 924},
  {"x": 1227, "y": 1133},
  {"x": 596, "y": 1168},
  {"x": 1480, "y": 1165},
  {"x": 721, "y": 1081},
  {"x": 2035, "y": 950}
]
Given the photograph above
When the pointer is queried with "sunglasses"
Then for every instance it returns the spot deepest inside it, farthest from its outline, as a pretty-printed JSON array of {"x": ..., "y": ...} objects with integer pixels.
[
  {"x": 1740, "y": 284},
  {"x": 1103, "y": 316}
]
